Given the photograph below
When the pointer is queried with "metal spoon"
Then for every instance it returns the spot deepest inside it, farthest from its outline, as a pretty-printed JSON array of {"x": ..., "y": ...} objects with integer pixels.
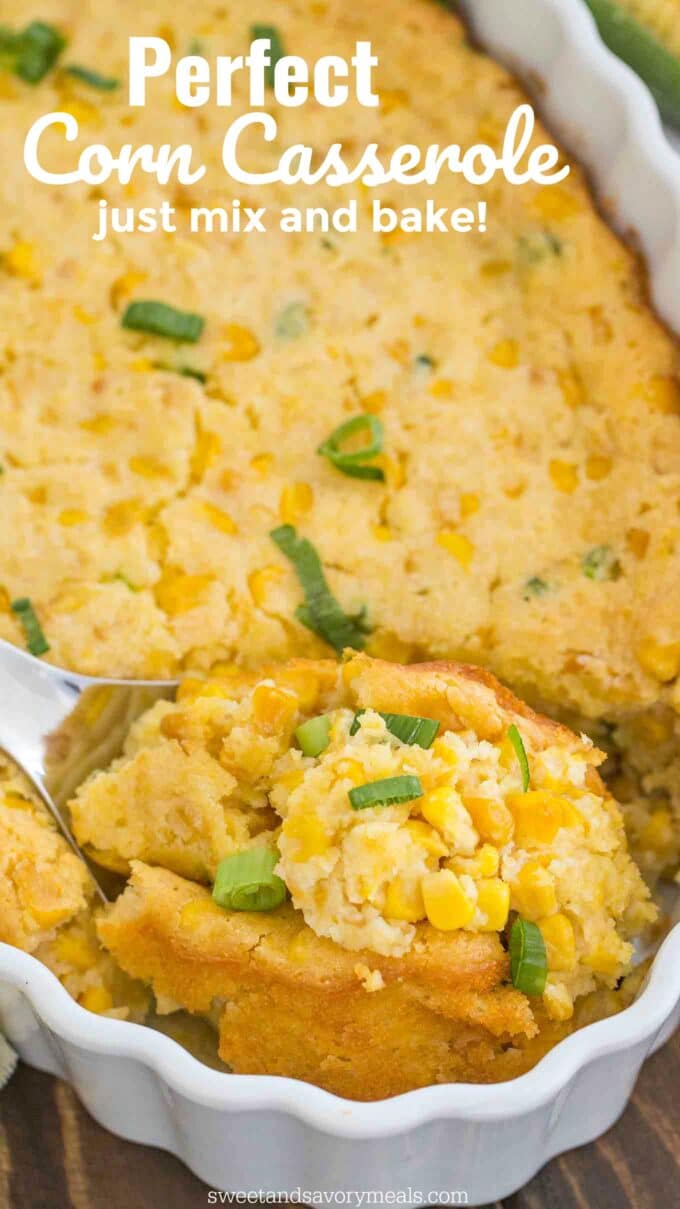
[{"x": 59, "y": 726}]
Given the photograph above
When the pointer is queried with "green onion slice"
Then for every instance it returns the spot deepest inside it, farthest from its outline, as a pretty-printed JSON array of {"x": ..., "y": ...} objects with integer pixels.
[
  {"x": 321, "y": 612},
  {"x": 163, "y": 320},
  {"x": 535, "y": 587},
  {"x": 93, "y": 78},
  {"x": 352, "y": 463},
  {"x": 528, "y": 958},
  {"x": 31, "y": 53},
  {"x": 411, "y": 730},
  {"x": 314, "y": 735},
  {"x": 601, "y": 563},
  {"x": 27, "y": 616},
  {"x": 521, "y": 753},
  {"x": 387, "y": 792},
  {"x": 185, "y": 371},
  {"x": 247, "y": 882},
  {"x": 276, "y": 50}
]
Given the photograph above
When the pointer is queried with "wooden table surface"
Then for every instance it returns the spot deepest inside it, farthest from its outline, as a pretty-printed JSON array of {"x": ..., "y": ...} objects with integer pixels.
[{"x": 54, "y": 1156}]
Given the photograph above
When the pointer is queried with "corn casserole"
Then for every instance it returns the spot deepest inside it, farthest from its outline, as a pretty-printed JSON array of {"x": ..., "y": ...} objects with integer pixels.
[{"x": 423, "y": 447}]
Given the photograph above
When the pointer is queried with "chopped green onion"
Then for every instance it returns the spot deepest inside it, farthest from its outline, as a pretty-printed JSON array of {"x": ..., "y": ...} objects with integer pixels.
[
  {"x": 387, "y": 792},
  {"x": 352, "y": 463},
  {"x": 276, "y": 50},
  {"x": 528, "y": 958},
  {"x": 601, "y": 563},
  {"x": 642, "y": 51},
  {"x": 521, "y": 753},
  {"x": 27, "y": 616},
  {"x": 412, "y": 730},
  {"x": 424, "y": 361},
  {"x": 31, "y": 53},
  {"x": 163, "y": 320},
  {"x": 321, "y": 612},
  {"x": 538, "y": 246},
  {"x": 314, "y": 735},
  {"x": 291, "y": 322},
  {"x": 93, "y": 78},
  {"x": 185, "y": 371},
  {"x": 246, "y": 881},
  {"x": 535, "y": 587}
]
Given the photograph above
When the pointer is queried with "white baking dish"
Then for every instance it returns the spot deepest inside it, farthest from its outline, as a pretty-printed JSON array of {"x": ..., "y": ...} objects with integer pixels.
[{"x": 246, "y": 1133}]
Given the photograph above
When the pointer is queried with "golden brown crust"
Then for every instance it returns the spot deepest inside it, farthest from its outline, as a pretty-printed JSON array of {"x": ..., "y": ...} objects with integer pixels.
[{"x": 295, "y": 1004}]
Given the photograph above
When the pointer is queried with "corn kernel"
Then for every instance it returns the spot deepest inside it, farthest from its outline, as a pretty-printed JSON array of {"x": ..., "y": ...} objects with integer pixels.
[
  {"x": 404, "y": 900},
  {"x": 83, "y": 316},
  {"x": 573, "y": 391},
  {"x": 123, "y": 287},
  {"x": 564, "y": 475},
  {"x": 533, "y": 891},
  {"x": 555, "y": 203},
  {"x": 469, "y": 503},
  {"x": 505, "y": 354},
  {"x": 560, "y": 943},
  {"x": 262, "y": 463},
  {"x": 296, "y": 501},
  {"x": 444, "y": 751},
  {"x": 141, "y": 365},
  {"x": 191, "y": 689},
  {"x": 492, "y": 819},
  {"x": 484, "y": 863},
  {"x": 608, "y": 956},
  {"x": 22, "y": 261},
  {"x": 539, "y": 815},
  {"x": 84, "y": 113},
  {"x": 176, "y": 593},
  {"x": 374, "y": 402},
  {"x": 207, "y": 450},
  {"x": 493, "y": 901},
  {"x": 260, "y": 583},
  {"x": 446, "y": 904},
  {"x": 558, "y": 1002},
  {"x": 76, "y": 951},
  {"x": 427, "y": 837},
  {"x": 241, "y": 343},
  {"x": 495, "y": 268},
  {"x": 598, "y": 468},
  {"x": 72, "y": 516},
  {"x": 443, "y": 809},
  {"x": 382, "y": 533},
  {"x": 442, "y": 388},
  {"x": 661, "y": 660},
  {"x": 217, "y": 517},
  {"x": 120, "y": 518},
  {"x": 301, "y": 681},
  {"x": 393, "y": 98},
  {"x": 96, "y": 999},
  {"x": 273, "y": 708},
  {"x": 662, "y": 394},
  {"x": 657, "y": 835},
  {"x": 193, "y": 913},
  {"x": 310, "y": 834},
  {"x": 637, "y": 541},
  {"x": 99, "y": 424},
  {"x": 351, "y": 770},
  {"x": 458, "y": 545},
  {"x": 148, "y": 468}
]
